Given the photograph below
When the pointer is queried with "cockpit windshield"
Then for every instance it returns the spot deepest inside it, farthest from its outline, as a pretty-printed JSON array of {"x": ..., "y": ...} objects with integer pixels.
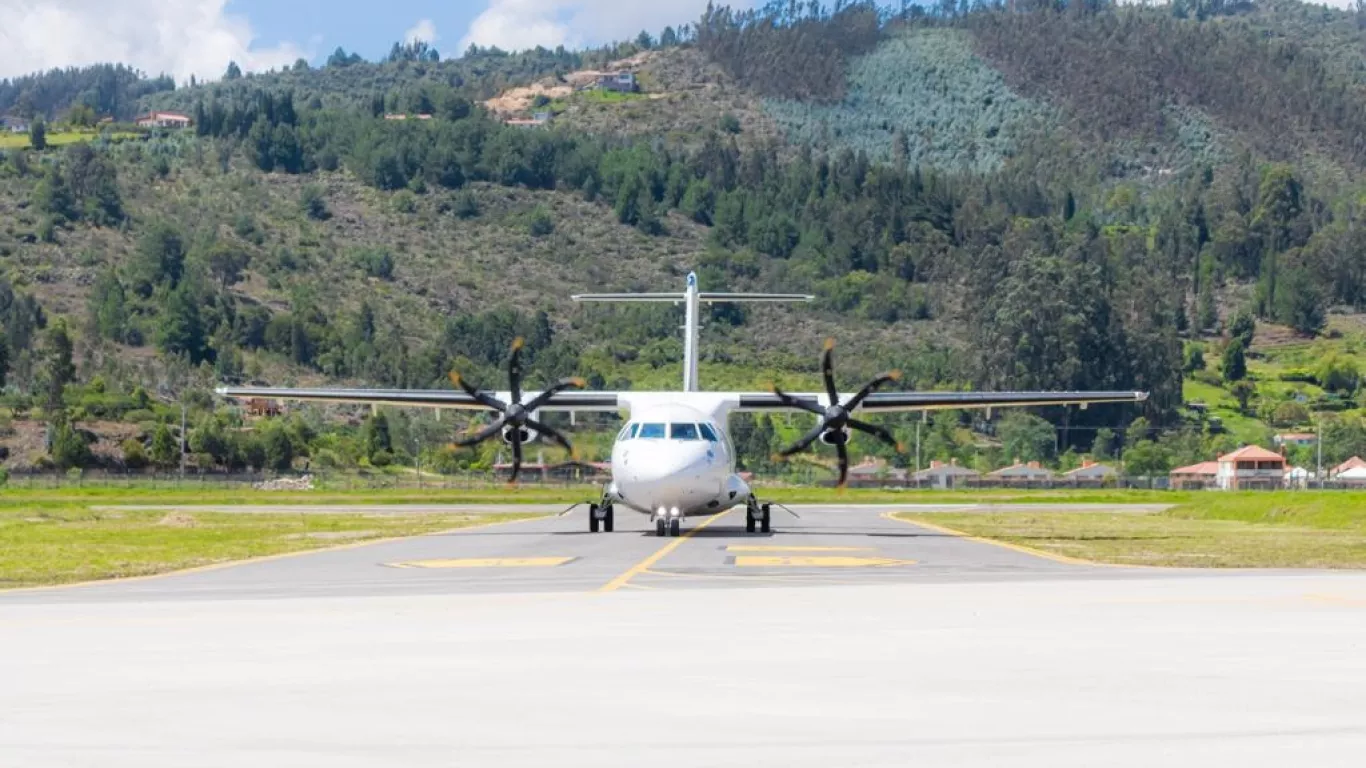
[
  {"x": 651, "y": 431},
  {"x": 683, "y": 432},
  {"x": 708, "y": 433}
]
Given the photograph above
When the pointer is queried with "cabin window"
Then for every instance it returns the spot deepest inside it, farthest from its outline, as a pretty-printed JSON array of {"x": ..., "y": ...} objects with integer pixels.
[
  {"x": 655, "y": 431},
  {"x": 708, "y": 433},
  {"x": 684, "y": 432}
]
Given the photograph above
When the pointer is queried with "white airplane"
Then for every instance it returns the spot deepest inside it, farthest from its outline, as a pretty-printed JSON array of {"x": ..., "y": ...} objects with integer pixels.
[{"x": 674, "y": 458}]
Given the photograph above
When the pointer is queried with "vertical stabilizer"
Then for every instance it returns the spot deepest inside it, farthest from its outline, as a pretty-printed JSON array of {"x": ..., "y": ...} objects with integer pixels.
[{"x": 691, "y": 330}]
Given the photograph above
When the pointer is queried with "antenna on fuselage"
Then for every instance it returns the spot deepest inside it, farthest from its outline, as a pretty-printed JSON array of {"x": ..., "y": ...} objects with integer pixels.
[{"x": 691, "y": 298}]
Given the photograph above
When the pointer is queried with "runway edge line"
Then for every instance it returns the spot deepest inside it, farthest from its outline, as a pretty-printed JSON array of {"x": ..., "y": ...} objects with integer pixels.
[{"x": 1064, "y": 559}]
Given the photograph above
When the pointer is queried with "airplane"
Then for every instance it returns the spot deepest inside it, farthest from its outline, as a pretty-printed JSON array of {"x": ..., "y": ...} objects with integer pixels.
[{"x": 674, "y": 458}]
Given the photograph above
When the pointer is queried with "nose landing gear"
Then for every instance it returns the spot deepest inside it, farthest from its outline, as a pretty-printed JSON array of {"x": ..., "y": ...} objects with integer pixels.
[
  {"x": 757, "y": 516},
  {"x": 668, "y": 524}
]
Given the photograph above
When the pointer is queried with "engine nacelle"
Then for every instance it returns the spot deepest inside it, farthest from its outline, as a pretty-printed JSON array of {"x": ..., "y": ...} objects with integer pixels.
[
  {"x": 526, "y": 434},
  {"x": 835, "y": 437}
]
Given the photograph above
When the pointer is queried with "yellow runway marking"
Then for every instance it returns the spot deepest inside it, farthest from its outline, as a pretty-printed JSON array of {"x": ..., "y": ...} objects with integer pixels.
[
  {"x": 486, "y": 562},
  {"x": 780, "y": 561},
  {"x": 764, "y": 548},
  {"x": 659, "y": 554},
  {"x": 1064, "y": 559}
]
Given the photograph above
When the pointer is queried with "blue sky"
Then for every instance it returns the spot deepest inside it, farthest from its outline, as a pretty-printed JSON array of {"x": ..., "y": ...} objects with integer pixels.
[
  {"x": 354, "y": 24},
  {"x": 185, "y": 38}
]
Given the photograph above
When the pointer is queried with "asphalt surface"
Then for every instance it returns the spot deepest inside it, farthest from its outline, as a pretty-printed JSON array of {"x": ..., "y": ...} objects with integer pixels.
[
  {"x": 894, "y": 645},
  {"x": 818, "y": 545}
]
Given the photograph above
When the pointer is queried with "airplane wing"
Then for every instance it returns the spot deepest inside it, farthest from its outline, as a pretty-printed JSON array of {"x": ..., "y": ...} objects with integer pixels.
[
  {"x": 423, "y": 398},
  {"x": 893, "y": 402}
]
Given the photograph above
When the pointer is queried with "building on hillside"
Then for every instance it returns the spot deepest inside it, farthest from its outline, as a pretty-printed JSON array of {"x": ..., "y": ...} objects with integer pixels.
[
  {"x": 261, "y": 407},
  {"x": 15, "y": 124},
  {"x": 1091, "y": 473},
  {"x": 1294, "y": 438},
  {"x": 1353, "y": 463},
  {"x": 1194, "y": 477},
  {"x": 422, "y": 116},
  {"x": 1251, "y": 467},
  {"x": 163, "y": 120},
  {"x": 875, "y": 472},
  {"x": 1297, "y": 477},
  {"x": 621, "y": 82},
  {"x": 535, "y": 121},
  {"x": 941, "y": 475},
  {"x": 1030, "y": 472}
]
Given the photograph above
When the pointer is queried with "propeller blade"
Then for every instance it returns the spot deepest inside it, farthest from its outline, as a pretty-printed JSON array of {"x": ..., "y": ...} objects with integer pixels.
[
  {"x": 555, "y": 389},
  {"x": 516, "y": 455},
  {"x": 867, "y": 390},
  {"x": 828, "y": 372},
  {"x": 483, "y": 398},
  {"x": 551, "y": 433},
  {"x": 481, "y": 435},
  {"x": 843, "y": 452},
  {"x": 515, "y": 369},
  {"x": 876, "y": 431},
  {"x": 793, "y": 402},
  {"x": 807, "y": 439}
]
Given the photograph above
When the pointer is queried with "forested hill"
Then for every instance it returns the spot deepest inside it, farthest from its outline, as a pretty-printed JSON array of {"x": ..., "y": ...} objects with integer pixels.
[{"x": 1057, "y": 196}]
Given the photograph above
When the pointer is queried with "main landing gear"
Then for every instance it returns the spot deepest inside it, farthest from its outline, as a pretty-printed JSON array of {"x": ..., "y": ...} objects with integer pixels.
[
  {"x": 757, "y": 516},
  {"x": 600, "y": 516}
]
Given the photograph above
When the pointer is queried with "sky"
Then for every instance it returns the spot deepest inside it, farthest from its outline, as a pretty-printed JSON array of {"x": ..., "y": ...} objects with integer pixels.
[{"x": 199, "y": 37}]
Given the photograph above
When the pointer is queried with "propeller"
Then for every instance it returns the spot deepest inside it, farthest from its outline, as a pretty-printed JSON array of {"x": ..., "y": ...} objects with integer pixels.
[
  {"x": 515, "y": 417},
  {"x": 836, "y": 419}
]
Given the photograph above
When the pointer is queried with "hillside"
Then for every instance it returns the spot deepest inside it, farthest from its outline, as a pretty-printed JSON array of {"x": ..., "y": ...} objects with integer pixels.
[{"x": 1036, "y": 199}]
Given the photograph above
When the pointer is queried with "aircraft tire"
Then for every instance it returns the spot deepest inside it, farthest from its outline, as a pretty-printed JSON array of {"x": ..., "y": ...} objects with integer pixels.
[
  {"x": 749, "y": 523},
  {"x": 607, "y": 521},
  {"x": 765, "y": 522},
  {"x": 675, "y": 526},
  {"x": 661, "y": 527},
  {"x": 592, "y": 519}
]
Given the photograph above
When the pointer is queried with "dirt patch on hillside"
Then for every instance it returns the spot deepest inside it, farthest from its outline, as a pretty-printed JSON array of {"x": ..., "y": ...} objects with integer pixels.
[{"x": 519, "y": 99}]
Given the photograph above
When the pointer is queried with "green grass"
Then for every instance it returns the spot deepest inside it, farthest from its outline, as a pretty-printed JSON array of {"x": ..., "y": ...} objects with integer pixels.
[
  {"x": 1215, "y": 530},
  {"x": 59, "y": 139},
  {"x": 75, "y": 543}
]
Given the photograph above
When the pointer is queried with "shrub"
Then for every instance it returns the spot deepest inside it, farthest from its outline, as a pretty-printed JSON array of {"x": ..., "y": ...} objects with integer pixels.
[{"x": 313, "y": 204}]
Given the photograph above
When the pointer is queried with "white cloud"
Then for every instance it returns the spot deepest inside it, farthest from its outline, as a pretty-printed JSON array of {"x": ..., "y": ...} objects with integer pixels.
[
  {"x": 424, "y": 31},
  {"x": 175, "y": 37},
  {"x": 518, "y": 24}
]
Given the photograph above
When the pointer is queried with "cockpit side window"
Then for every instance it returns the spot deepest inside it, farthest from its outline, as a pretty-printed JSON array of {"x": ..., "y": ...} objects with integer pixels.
[
  {"x": 655, "y": 431},
  {"x": 708, "y": 433},
  {"x": 625, "y": 430},
  {"x": 634, "y": 429},
  {"x": 683, "y": 432}
]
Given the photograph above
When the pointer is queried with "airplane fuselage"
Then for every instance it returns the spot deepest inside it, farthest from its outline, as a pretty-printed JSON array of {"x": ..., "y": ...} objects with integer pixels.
[{"x": 676, "y": 459}]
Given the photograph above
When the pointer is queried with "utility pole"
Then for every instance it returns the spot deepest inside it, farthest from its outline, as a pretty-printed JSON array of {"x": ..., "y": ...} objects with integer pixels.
[
  {"x": 182, "y": 439},
  {"x": 917, "y": 452},
  {"x": 1318, "y": 470}
]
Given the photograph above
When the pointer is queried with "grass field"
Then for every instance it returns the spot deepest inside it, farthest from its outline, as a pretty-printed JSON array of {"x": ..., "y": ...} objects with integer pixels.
[
  {"x": 20, "y": 140},
  {"x": 1208, "y": 530},
  {"x": 57, "y": 545}
]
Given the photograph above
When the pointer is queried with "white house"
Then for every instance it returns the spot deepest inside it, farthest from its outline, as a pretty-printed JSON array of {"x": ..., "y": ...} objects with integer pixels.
[{"x": 163, "y": 120}]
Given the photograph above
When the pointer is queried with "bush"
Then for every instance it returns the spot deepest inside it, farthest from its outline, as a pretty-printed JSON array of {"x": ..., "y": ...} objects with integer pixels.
[
  {"x": 134, "y": 455},
  {"x": 376, "y": 262},
  {"x": 313, "y": 204},
  {"x": 539, "y": 222}
]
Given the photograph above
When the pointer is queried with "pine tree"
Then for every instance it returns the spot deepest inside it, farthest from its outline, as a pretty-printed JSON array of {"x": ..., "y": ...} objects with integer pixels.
[{"x": 59, "y": 370}]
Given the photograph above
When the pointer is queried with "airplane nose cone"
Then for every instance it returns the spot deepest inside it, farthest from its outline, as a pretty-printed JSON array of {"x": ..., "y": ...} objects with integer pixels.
[{"x": 670, "y": 475}]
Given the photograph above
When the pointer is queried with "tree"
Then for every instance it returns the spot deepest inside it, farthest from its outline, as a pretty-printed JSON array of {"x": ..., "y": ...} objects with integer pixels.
[
  {"x": 1146, "y": 458},
  {"x": 108, "y": 306},
  {"x": 1026, "y": 437},
  {"x": 1195, "y": 358},
  {"x": 226, "y": 263},
  {"x": 1243, "y": 327},
  {"x": 160, "y": 257},
  {"x": 165, "y": 452},
  {"x": 59, "y": 369},
  {"x": 1103, "y": 444},
  {"x": 181, "y": 331},
  {"x": 279, "y": 449},
  {"x": 313, "y": 204},
  {"x": 376, "y": 435},
  {"x": 37, "y": 135},
  {"x": 1234, "y": 362},
  {"x": 234, "y": 72},
  {"x": 1243, "y": 391},
  {"x": 69, "y": 448},
  {"x": 1299, "y": 303}
]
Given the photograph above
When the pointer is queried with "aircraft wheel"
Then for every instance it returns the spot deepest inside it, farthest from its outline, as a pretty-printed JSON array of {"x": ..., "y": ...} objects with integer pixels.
[
  {"x": 607, "y": 519},
  {"x": 592, "y": 518},
  {"x": 661, "y": 527},
  {"x": 764, "y": 522},
  {"x": 675, "y": 525},
  {"x": 749, "y": 523}
]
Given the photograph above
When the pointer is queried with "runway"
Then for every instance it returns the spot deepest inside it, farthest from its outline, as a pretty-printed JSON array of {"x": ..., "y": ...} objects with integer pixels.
[{"x": 849, "y": 638}]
